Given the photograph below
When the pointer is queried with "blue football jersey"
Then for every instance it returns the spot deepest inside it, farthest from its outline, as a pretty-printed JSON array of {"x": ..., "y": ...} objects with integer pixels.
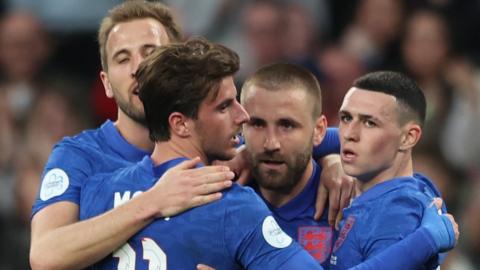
[
  {"x": 235, "y": 232},
  {"x": 379, "y": 218},
  {"x": 296, "y": 218},
  {"x": 74, "y": 159}
]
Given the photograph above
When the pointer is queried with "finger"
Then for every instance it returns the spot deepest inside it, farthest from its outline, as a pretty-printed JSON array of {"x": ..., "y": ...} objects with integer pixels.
[
  {"x": 346, "y": 192},
  {"x": 334, "y": 206},
  {"x": 202, "y": 171},
  {"x": 338, "y": 219},
  {"x": 356, "y": 188},
  {"x": 455, "y": 226},
  {"x": 204, "y": 267},
  {"x": 213, "y": 177},
  {"x": 438, "y": 202},
  {"x": 187, "y": 164},
  {"x": 205, "y": 199},
  {"x": 322, "y": 196},
  {"x": 209, "y": 188}
]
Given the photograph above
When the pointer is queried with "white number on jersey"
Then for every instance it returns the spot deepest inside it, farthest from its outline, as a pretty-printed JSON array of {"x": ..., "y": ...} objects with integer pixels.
[{"x": 157, "y": 259}]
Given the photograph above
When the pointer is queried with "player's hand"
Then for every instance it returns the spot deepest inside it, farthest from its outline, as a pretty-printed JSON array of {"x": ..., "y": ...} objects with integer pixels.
[
  {"x": 239, "y": 166},
  {"x": 442, "y": 227},
  {"x": 184, "y": 187},
  {"x": 335, "y": 186},
  {"x": 204, "y": 267}
]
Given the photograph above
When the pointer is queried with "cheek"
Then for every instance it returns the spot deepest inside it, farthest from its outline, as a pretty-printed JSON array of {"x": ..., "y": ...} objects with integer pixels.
[
  {"x": 384, "y": 146},
  {"x": 295, "y": 148}
]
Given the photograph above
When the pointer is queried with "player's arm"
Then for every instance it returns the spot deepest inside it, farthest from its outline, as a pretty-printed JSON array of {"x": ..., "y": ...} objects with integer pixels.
[
  {"x": 60, "y": 241},
  {"x": 437, "y": 233},
  {"x": 335, "y": 186}
]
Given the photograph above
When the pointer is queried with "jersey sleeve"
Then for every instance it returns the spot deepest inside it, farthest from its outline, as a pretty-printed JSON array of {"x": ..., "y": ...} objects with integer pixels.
[
  {"x": 255, "y": 240},
  {"x": 329, "y": 145},
  {"x": 67, "y": 168},
  {"x": 410, "y": 253}
]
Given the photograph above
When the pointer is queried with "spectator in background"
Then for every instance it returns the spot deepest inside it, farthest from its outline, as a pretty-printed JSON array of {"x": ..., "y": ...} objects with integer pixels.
[
  {"x": 425, "y": 55},
  {"x": 461, "y": 148},
  {"x": 301, "y": 39},
  {"x": 339, "y": 69},
  {"x": 24, "y": 50},
  {"x": 262, "y": 26},
  {"x": 372, "y": 34}
]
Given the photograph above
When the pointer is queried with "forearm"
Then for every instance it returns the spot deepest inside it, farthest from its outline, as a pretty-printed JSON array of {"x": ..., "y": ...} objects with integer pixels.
[
  {"x": 410, "y": 253},
  {"x": 80, "y": 244}
]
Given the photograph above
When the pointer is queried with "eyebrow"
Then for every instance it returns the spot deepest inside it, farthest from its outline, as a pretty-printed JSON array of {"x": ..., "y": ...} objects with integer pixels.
[
  {"x": 126, "y": 51},
  {"x": 362, "y": 116},
  {"x": 227, "y": 101}
]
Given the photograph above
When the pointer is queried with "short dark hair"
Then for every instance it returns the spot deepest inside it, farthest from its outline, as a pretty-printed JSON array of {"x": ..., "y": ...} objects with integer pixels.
[
  {"x": 281, "y": 76},
  {"x": 406, "y": 91},
  {"x": 177, "y": 77}
]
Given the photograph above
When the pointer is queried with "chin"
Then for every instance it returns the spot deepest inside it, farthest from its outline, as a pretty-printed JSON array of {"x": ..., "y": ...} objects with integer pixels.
[{"x": 227, "y": 155}]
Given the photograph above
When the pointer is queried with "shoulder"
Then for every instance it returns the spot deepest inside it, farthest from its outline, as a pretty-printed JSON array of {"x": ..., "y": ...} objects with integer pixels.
[
  {"x": 86, "y": 140},
  {"x": 238, "y": 194},
  {"x": 244, "y": 204}
]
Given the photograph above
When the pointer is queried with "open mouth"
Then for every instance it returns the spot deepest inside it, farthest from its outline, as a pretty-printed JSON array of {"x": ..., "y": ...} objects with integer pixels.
[{"x": 348, "y": 155}]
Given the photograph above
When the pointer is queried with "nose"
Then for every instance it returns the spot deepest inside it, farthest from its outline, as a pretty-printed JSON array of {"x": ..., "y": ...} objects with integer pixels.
[
  {"x": 241, "y": 116},
  {"x": 271, "y": 142},
  {"x": 349, "y": 131},
  {"x": 136, "y": 60}
]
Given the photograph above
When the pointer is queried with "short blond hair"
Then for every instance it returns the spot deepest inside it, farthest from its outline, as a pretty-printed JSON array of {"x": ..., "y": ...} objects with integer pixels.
[{"x": 132, "y": 10}]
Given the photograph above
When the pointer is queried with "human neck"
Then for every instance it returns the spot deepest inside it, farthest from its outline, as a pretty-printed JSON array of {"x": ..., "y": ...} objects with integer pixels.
[
  {"x": 279, "y": 198},
  {"x": 401, "y": 168},
  {"x": 133, "y": 132},
  {"x": 175, "y": 148}
]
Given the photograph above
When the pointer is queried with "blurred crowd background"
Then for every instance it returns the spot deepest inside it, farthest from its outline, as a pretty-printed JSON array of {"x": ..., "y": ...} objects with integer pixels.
[{"x": 50, "y": 88}]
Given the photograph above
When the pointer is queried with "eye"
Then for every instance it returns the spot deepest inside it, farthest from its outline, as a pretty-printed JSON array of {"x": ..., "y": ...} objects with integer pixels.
[
  {"x": 345, "y": 118},
  {"x": 287, "y": 125},
  {"x": 122, "y": 60},
  {"x": 224, "y": 106},
  {"x": 149, "y": 50},
  {"x": 370, "y": 123},
  {"x": 256, "y": 123}
]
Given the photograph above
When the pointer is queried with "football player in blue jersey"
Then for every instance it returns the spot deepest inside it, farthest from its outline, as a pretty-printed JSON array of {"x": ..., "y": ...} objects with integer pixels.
[
  {"x": 286, "y": 121},
  {"x": 191, "y": 110},
  {"x": 127, "y": 35},
  {"x": 381, "y": 120}
]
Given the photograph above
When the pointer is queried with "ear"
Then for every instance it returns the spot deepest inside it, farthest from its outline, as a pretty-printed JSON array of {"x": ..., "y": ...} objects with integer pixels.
[
  {"x": 319, "y": 130},
  {"x": 180, "y": 125},
  {"x": 106, "y": 84},
  {"x": 410, "y": 137}
]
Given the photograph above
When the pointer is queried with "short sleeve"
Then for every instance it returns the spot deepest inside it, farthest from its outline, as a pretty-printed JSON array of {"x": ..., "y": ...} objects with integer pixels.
[{"x": 63, "y": 175}]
